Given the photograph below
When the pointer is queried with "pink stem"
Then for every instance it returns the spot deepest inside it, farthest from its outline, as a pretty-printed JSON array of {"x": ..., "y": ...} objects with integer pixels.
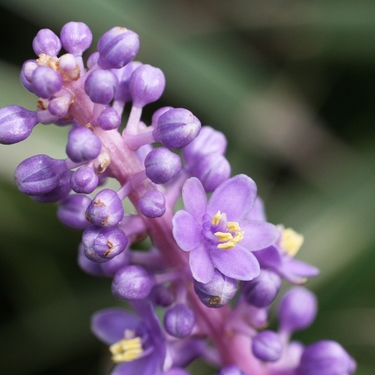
[{"x": 233, "y": 347}]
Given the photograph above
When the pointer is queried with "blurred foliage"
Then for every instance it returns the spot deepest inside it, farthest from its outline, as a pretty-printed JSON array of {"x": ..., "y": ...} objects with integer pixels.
[{"x": 291, "y": 84}]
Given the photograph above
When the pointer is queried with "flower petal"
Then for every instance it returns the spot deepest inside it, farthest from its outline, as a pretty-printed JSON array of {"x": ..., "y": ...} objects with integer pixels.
[
  {"x": 237, "y": 263},
  {"x": 145, "y": 310},
  {"x": 258, "y": 235},
  {"x": 109, "y": 324},
  {"x": 269, "y": 257},
  {"x": 201, "y": 265},
  {"x": 194, "y": 197},
  {"x": 186, "y": 230},
  {"x": 148, "y": 365},
  {"x": 296, "y": 271},
  {"x": 234, "y": 197}
]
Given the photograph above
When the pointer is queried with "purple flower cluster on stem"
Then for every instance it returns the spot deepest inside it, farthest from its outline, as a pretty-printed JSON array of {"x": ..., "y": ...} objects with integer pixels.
[{"x": 202, "y": 257}]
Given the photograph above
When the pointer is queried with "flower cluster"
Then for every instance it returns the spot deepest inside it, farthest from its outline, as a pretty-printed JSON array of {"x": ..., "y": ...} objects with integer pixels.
[{"x": 215, "y": 266}]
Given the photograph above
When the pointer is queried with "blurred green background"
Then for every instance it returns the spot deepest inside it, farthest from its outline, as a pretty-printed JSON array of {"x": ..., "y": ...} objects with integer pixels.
[{"x": 290, "y": 83}]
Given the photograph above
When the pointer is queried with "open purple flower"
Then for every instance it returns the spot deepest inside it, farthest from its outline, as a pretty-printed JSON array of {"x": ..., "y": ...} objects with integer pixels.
[
  {"x": 219, "y": 233},
  {"x": 137, "y": 343},
  {"x": 279, "y": 257}
]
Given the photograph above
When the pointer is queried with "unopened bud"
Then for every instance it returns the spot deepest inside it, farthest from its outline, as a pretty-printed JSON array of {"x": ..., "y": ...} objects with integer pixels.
[
  {"x": 176, "y": 128},
  {"x": 218, "y": 291},
  {"x": 132, "y": 283},
  {"x": 267, "y": 346},
  {"x": 16, "y": 124}
]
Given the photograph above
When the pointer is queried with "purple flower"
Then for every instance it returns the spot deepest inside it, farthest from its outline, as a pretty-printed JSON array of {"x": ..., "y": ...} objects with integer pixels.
[
  {"x": 218, "y": 233},
  {"x": 137, "y": 343},
  {"x": 279, "y": 257}
]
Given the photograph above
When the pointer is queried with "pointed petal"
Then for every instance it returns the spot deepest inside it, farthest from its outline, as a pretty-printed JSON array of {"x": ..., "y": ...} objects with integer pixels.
[
  {"x": 234, "y": 197},
  {"x": 296, "y": 271},
  {"x": 194, "y": 197},
  {"x": 201, "y": 265},
  {"x": 109, "y": 325},
  {"x": 237, "y": 263},
  {"x": 268, "y": 257},
  {"x": 186, "y": 230},
  {"x": 301, "y": 268},
  {"x": 258, "y": 235},
  {"x": 146, "y": 311}
]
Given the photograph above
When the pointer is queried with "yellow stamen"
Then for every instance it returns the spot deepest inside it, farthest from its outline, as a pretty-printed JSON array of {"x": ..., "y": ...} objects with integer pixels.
[
  {"x": 223, "y": 236},
  {"x": 228, "y": 240},
  {"x": 216, "y": 218},
  {"x": 291, "y": 241},
  {"x": 233, "y": 226},
  {"x": 126, "y": 350},
  {"x": 231, "y": 243}
]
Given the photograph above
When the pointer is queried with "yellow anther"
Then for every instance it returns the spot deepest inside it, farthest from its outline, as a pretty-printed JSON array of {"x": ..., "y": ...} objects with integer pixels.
[
  {"x": 291, "y": 241},
  {"x": 232, "y": 242},
  {"x": 126, "y": 350},
  {"x": 233, "y": 226},
  {"x": 223, "y": 236},
  {"x": 216, "y": 218},
  {"x": 238, "y": 237}
]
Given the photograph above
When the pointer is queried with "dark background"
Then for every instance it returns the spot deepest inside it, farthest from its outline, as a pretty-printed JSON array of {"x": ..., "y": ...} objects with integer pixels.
[{"x": 290, "y": 83}]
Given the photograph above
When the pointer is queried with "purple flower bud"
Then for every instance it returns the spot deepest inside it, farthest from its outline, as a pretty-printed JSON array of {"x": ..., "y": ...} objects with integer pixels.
[
  {"x": 76, "y": 37},
  {"x": 157, "y": 114},
  {"x": 84, "y": 180},
  {"x": 297, "y": 309},
  {"x": 109, "y": 119},
  {"x": 45, "y": 82},
  {"x": 146, "y": 85},
  {"x": 105, "y": 209},
  {"x": 87, "y": 265},
  {"x": 27, "y": 70},
  {"x": 60, "y": 192},
  {"x": 101, "y": 85},
  {"x": 117, "y": 47},
  {"x": 162, "y": 165},
  {"x": 39, "y": 174},
  {"x": 231, "y": 370},
  {"x": 179, "y": 320},
  {"x": 176, "y": 128},
  {"x": 152, "y": 204},
  {"x": 209, "y": 141},
  {"x": 211, "y": 170},
  {"x": 162, "y": 296},
  {"x": 262, "y": 290},
  {"x": 218, "y": 291},
  {"x": 46, "y": 41},
  {"x": 257, "y": 317},
  {"x": 101, "y": 244},
  {"x": 132, "y": 283},
  {"x": 83, "y": 145},
  {"x": 123, "y": 75},
  {"x": 267, "y": 346},
  {"x": 325, "y": 358},
  {"x": 59, "y": 105},
  {"x": 25, "y": 83},
  {"x": 92, "y": 60},
  {"x": 16, "y": 124},
  {"x": 71, "y": 211}
]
